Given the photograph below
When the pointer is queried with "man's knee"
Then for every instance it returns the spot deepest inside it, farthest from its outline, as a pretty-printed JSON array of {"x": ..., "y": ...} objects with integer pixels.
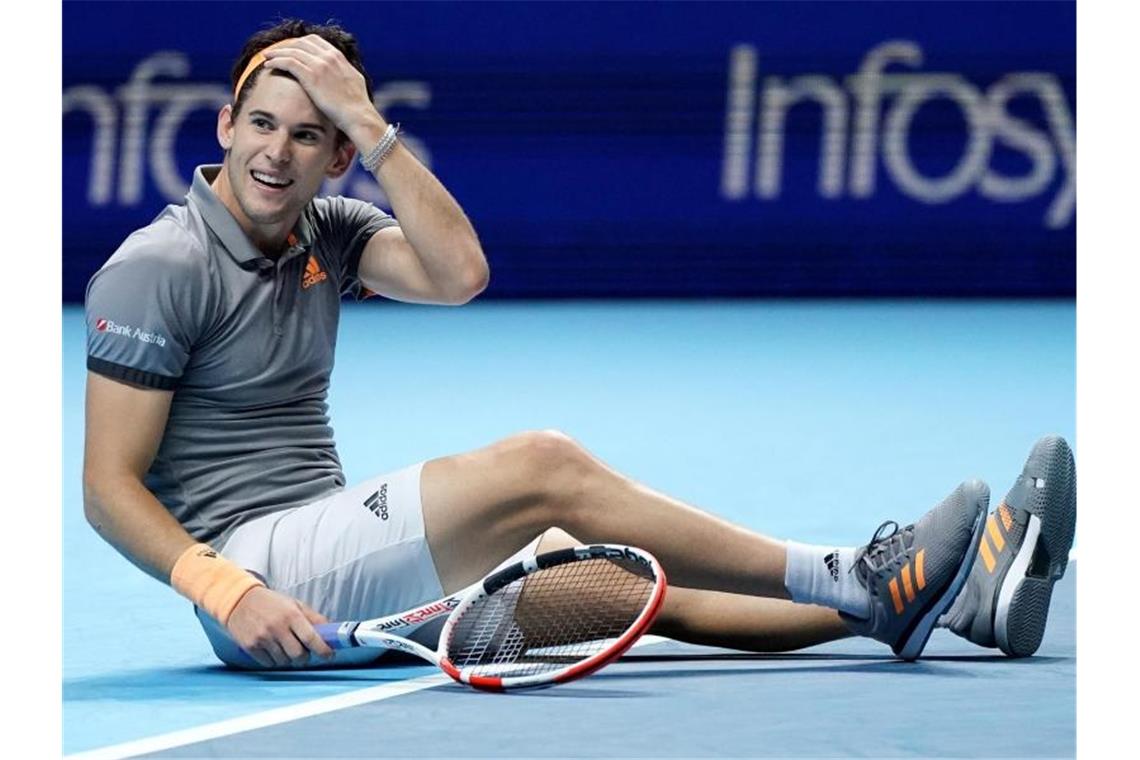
[
  {"x": 535, "y": 473},
  {"x": 556, "y": 463},
  {"x": 556, "y": 538}
]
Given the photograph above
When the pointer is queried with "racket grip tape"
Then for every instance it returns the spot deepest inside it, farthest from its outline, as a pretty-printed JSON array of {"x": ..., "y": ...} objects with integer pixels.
[{"x": 338, "y": 635}]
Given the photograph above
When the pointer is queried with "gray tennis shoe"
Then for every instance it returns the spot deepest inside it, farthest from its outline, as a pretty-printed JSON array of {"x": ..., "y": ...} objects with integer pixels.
[
  {"x": 1024, "y": 552},
  {"x": 914, "y": 574}
]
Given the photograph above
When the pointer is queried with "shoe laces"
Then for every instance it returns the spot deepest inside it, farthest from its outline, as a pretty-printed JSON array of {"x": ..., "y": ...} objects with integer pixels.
[{"x": 884, "y": 554}]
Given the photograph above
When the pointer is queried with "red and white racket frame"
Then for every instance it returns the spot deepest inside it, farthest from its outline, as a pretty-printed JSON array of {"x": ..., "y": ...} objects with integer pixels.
[{"x": 531, "y": 565}]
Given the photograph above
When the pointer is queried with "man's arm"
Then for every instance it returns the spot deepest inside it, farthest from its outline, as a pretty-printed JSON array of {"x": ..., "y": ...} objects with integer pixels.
[
  {"x": 124, "y": 426},
  {"x": 434, "y": 255},
  {"x": 123, "y": 429}
]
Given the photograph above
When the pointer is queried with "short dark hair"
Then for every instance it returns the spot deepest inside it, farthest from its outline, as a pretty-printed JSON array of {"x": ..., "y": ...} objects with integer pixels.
[{"x": 286, "y": 29}]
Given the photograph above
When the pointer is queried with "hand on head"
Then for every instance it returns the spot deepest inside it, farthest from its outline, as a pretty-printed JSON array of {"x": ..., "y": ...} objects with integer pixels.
[{"x": 331, "y": 82}]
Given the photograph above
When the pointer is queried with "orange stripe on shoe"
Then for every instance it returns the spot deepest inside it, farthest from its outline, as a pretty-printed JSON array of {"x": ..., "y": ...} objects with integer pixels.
[
  {"x": 894, "y": 585},
  {"x": 1006, "y": 516},
  {"x": 995, "y": 534},
  {"x": 919, "y": 569},
  {"x": 987, "y": 555},
  {"x": 908, "y": 587}
]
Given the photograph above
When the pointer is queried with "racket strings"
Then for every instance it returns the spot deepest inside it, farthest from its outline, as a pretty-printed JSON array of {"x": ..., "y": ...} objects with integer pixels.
[{"x": 552, "y": 618}]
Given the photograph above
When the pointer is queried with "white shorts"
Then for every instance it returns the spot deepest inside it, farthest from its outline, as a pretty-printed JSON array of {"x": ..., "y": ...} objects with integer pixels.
[{"x": 358, "y": 553}]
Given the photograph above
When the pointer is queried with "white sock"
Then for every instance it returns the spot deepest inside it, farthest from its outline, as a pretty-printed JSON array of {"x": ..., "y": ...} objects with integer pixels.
[{"x": 822, "y": 575}]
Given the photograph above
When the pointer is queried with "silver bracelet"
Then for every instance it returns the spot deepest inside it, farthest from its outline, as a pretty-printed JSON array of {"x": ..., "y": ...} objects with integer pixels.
[{"x": 377, "y": 155}]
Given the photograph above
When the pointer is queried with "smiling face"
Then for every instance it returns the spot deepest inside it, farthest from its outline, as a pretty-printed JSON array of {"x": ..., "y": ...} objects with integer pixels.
[{"x": 279, "y": 150}]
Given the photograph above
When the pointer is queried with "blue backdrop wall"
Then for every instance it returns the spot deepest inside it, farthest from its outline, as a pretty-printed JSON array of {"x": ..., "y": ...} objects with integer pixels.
[{"x": 643, "y": 149}]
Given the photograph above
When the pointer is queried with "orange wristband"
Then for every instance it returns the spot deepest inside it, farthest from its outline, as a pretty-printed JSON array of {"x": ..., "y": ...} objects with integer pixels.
[{"x": 211, "y": 581}]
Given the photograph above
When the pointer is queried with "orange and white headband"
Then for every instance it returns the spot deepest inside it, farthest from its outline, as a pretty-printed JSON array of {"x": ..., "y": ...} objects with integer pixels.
[{"x": 257, "y": 59}]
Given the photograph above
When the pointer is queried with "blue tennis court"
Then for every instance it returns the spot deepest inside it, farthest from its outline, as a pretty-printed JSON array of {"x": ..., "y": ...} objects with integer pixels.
[
  {"x": 805, "y": 266},
  {"x": 813, "y": 420}
]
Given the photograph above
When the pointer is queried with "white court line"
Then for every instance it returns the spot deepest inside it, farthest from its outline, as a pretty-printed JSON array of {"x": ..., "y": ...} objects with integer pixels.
[
  {"x": 262, "y": 719},
  {"x": 276, "y": 716}
]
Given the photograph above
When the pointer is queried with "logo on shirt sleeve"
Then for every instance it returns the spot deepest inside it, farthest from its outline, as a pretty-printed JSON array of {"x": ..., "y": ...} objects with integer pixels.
[
  {"x": 313, "y": 273},
  {"x": 107, "y": 326}
]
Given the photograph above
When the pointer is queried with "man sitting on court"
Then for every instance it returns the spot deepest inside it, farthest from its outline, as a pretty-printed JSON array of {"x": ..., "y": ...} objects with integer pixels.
[{"x": 210, "y": 462}]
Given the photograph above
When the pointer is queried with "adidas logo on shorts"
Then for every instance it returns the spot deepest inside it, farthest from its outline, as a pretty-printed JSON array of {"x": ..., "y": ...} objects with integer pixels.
[{"x": 377, "y": 503}]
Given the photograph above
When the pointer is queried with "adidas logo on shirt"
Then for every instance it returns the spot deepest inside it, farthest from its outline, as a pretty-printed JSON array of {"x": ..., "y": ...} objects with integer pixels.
[{"x": 313, "y": 273}]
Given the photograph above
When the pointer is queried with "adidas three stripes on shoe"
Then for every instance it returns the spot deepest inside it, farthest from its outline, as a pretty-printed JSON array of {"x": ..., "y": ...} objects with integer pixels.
[
  {"x": 1024, "y": 551},
  {"x": 913, "y": 575}
]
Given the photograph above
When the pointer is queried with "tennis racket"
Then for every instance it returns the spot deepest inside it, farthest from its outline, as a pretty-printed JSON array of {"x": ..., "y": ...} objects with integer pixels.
[{"x": 545, "y": 620}]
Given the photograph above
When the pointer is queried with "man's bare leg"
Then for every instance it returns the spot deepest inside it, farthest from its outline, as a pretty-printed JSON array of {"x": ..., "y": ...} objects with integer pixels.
[
  {"x": 752, "y": 623},
  {"x": 482, "y": 506},
  {"x": 735, "y": 621}
]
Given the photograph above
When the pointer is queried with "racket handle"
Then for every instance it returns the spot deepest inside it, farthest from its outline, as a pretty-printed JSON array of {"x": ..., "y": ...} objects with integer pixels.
[{"x": 337, "y": 635}]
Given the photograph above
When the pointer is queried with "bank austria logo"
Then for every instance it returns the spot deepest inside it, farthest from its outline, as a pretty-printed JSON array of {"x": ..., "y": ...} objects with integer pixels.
[
  {"x": 871, "y": 113},
  {"x": 107, "y": 326}
]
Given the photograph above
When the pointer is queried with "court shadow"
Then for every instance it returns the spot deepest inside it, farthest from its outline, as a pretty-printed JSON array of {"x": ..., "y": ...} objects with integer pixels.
[
  {"x": 894, "y": 667},
  {"x": 1000, "y": 658},
  {"x": 164, "y": 683},
  {"x": 155, "y": 683},
  {"x": 561, "y": 692},
  {"x": 748, "y": 657},
  {"x": 838, "y": 657},
  {"x": 944, "y": 666},
  {"x": 370, "y": 676}
]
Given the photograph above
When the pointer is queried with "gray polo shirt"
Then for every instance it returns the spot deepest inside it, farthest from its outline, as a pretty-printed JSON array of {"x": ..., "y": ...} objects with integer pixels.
[{"x": 246, "y": 343}]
